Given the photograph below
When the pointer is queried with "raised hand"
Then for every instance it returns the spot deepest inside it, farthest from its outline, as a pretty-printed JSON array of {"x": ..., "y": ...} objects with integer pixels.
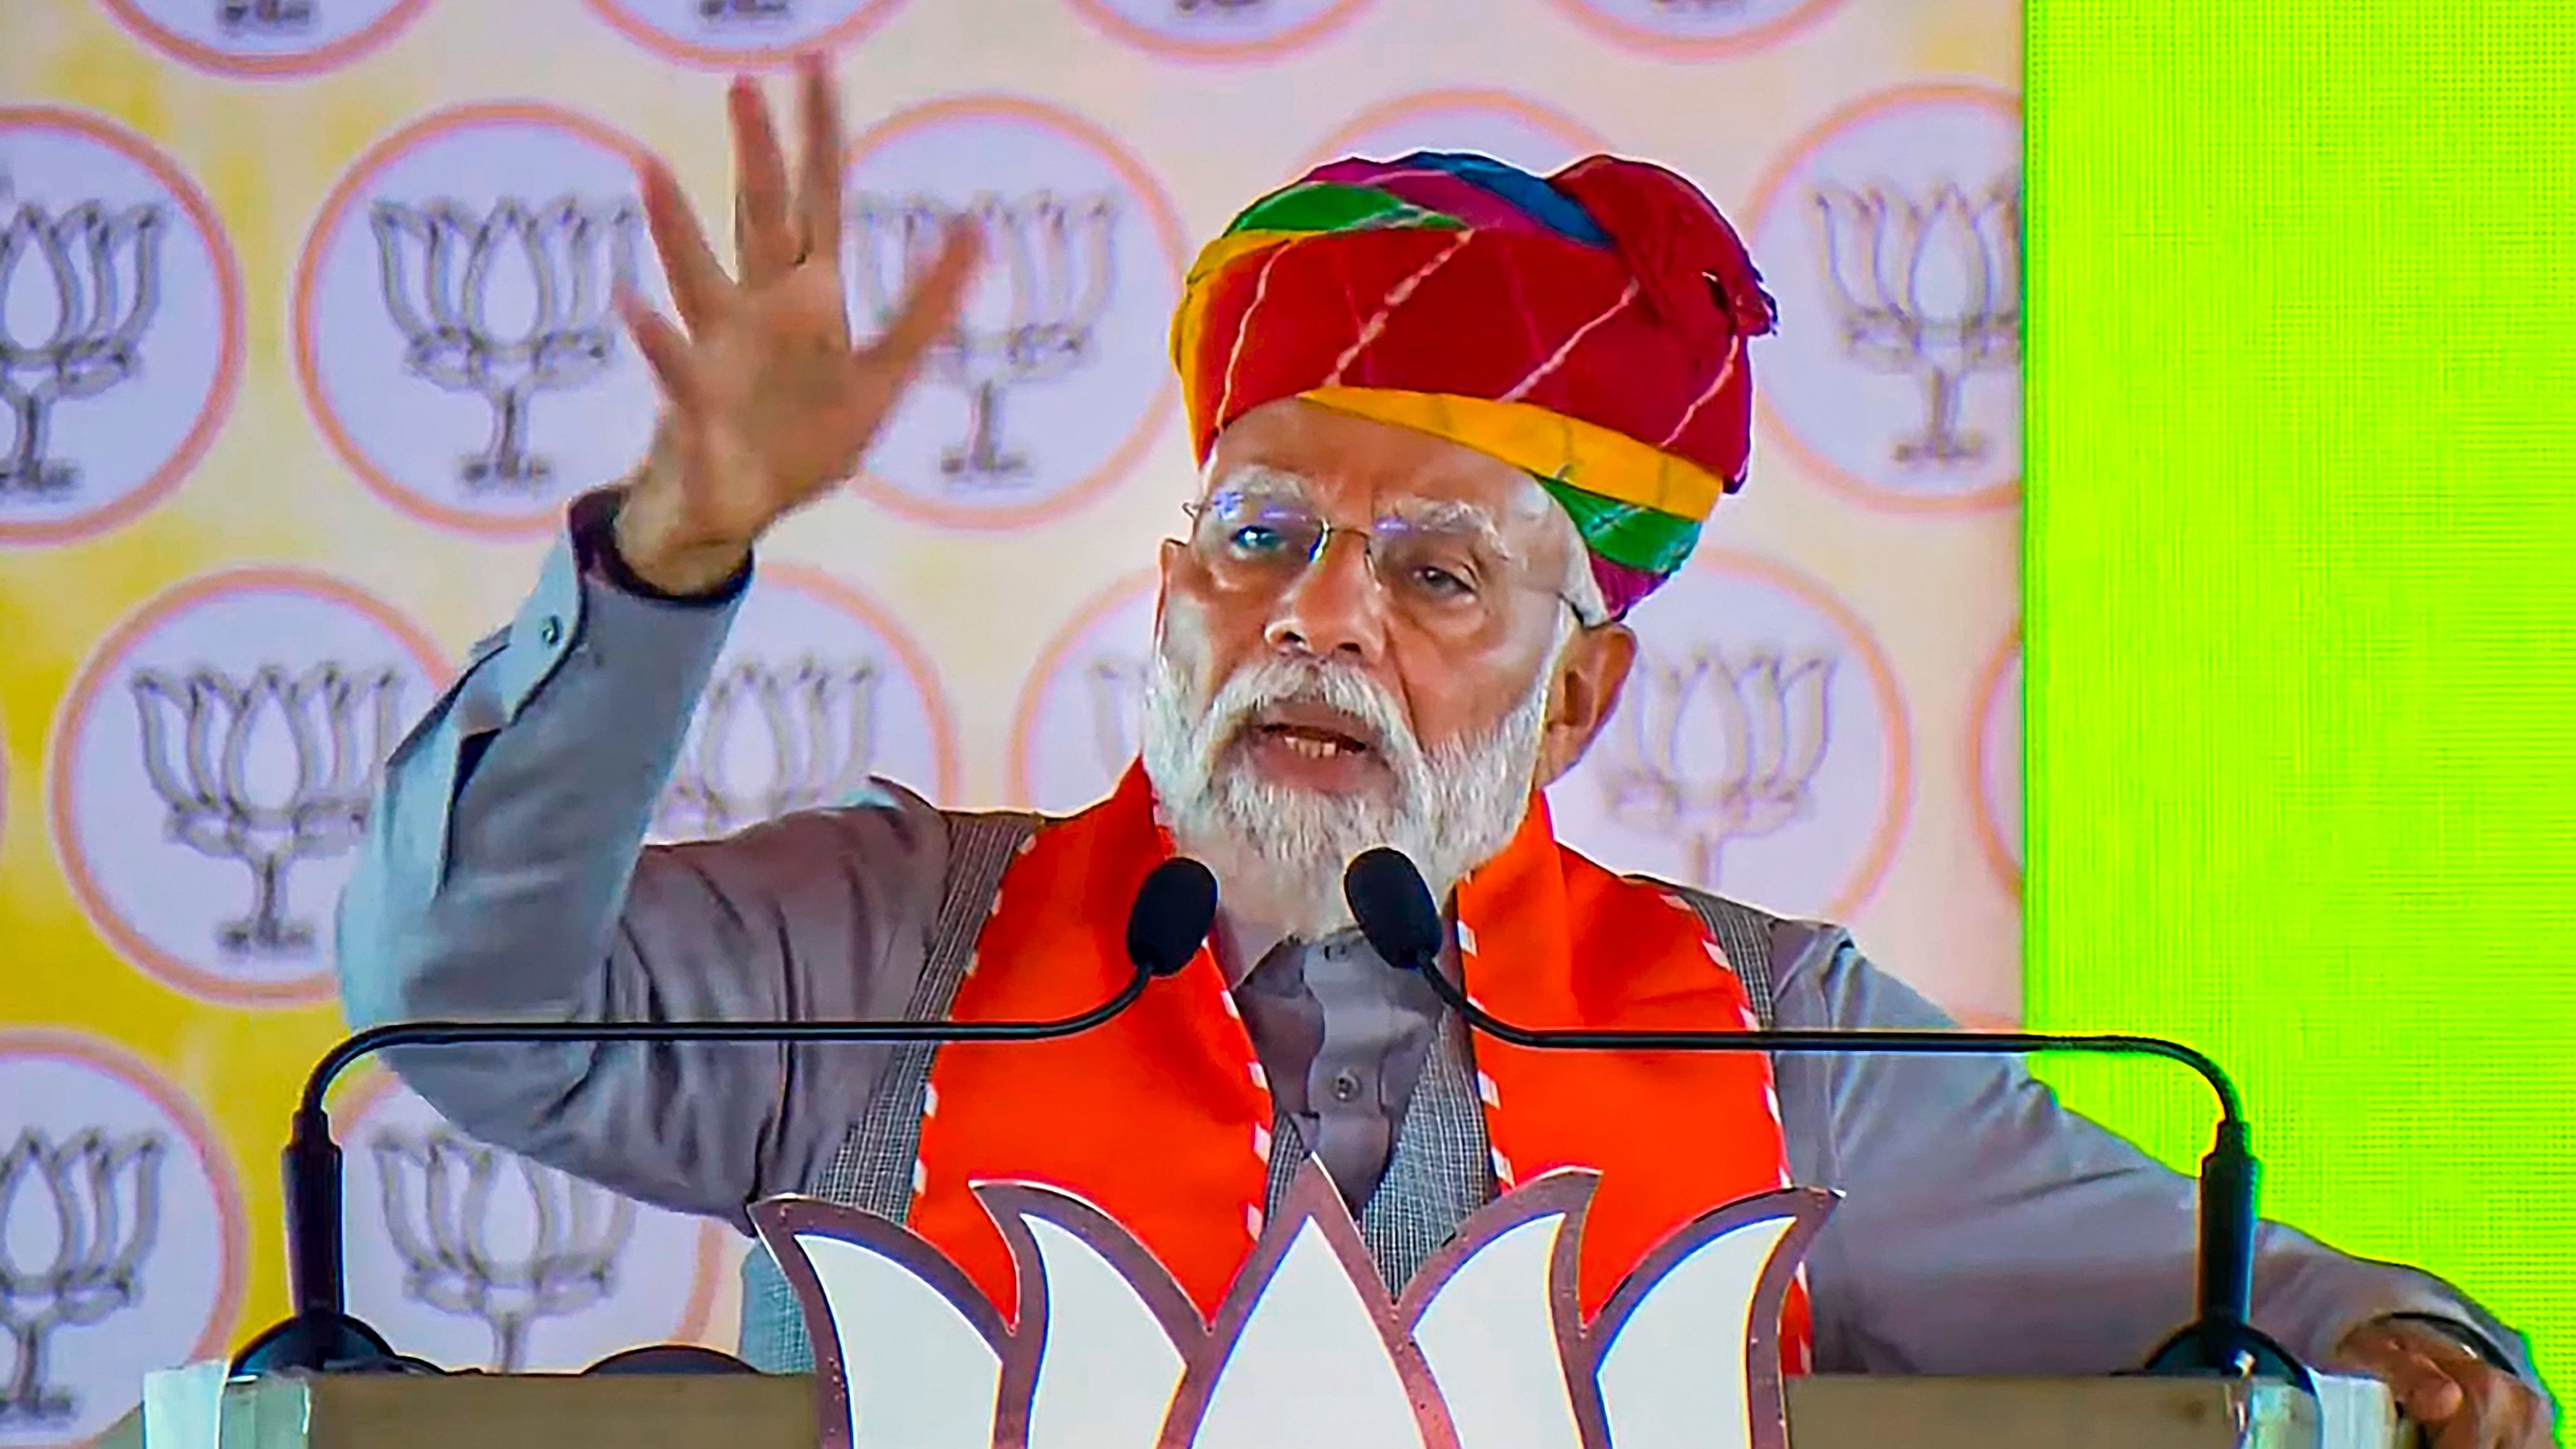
[{"x": 767, "y": 404}]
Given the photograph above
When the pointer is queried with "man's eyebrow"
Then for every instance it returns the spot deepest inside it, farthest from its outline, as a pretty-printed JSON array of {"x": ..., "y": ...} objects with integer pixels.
[
  {"x": 1455, "y": 515},
  {"x": 1262, "y": 480},
  {"x": 1259, "y": 479}
]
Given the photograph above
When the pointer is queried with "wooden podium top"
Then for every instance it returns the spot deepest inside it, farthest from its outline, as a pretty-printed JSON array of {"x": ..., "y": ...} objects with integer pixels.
[{"x": 750, "y": 1411}]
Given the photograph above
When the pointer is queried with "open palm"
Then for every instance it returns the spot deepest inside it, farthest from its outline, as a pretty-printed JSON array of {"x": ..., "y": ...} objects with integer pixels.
[{"x": 768, "y": 403}]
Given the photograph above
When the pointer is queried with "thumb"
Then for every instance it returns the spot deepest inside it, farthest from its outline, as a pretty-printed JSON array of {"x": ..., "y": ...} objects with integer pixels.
[
  {"x": 2422, "y": 1388},
  {"x": 2433, "y": 1397}
]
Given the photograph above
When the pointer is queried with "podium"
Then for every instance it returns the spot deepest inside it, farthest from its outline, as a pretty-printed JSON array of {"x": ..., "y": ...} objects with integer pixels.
[
  {"x": 1487, "y": 1347},
  {"x": 751, "y": 1411}
]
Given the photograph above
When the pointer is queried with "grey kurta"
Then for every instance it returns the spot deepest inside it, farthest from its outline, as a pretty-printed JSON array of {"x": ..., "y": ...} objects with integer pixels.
[{"x": 1985, "y": 1229}]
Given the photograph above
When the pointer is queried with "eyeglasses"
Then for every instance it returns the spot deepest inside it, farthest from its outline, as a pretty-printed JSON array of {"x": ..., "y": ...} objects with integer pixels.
[{"x": 1441, "y": 567}]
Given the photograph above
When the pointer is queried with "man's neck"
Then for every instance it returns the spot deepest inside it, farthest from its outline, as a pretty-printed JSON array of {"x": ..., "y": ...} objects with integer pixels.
[{"x": 1241, "y": 943}]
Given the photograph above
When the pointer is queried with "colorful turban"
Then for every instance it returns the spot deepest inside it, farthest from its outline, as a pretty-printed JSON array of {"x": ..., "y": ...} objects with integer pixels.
[{"x": 1587, "y": 327}]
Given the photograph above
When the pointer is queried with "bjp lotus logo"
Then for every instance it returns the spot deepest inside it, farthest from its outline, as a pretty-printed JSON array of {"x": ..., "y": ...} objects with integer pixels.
[
  {"x": 100, "y": 1198},
  {"x": 1894, "y": 230},
  {"x": 1761, "y": 750},
  {"x": 446, "y": 1215},
  {"x": 814, "y": 729},
  {"x": 275, "y": 17},
  {"x": 440, "y": 260},
  {"x": 205, "y": 736},
  {"x": 121, "y": 1244},
  {"x": 819, "y": 692},
  {"x": 1927, "y": 286},
  {"x": 474, "y": 1257},
  {"x": 213, "y": 767},
  {"x": 1039, "y": 325},
  {"x": 1696, "y": 29},
  {"x": 1058, "y": 374},
  {"x": 120, "y": 324},
  {"x": 1081, "y": 711},
  {"x": 1486, "y": 1344},
  {"x": 103, "y": 267},
  {"x": 1225, "y": 30},
  {"x": 717, "y": 13},
  {"x": 735, "y": 34},
  {"x": 264, "y": 38},
  {"x": 453, "y": 329},
  {"x": 1768, "y": 712}
]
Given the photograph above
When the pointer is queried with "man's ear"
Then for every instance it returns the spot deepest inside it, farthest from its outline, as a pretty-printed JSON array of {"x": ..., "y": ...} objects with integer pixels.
[
  {"x": 1583, "y": 695},
  {"x": 1164, "y": 559}
]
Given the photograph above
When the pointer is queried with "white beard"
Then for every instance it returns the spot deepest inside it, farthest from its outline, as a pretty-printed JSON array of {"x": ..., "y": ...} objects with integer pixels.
[{"x": 1278, "y": 852}]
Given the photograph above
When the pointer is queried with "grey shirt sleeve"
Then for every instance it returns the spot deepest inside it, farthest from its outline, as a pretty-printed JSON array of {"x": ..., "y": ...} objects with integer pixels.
[
  {"x": 504, "y": 876},
  {"x": 1985, "y": 1229}
]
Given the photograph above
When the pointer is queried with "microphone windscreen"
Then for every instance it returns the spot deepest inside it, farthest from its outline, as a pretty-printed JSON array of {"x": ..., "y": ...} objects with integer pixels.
[
  {"x": 1394, "y": 908},
  {"x": 1173, "y": 910}
]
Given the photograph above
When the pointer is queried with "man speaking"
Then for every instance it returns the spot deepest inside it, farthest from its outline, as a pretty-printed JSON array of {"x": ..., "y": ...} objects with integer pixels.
[{"x": 1456, "y": 421}]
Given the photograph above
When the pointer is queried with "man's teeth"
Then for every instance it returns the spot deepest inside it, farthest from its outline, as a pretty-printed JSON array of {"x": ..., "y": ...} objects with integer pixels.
[{"x": 1314, "y": 748}]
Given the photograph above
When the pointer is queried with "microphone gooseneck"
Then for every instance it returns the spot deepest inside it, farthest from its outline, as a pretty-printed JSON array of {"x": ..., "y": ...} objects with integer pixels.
[
  {"x": 1173, "y": 910},
  {"x": 1395, "y": 911}
]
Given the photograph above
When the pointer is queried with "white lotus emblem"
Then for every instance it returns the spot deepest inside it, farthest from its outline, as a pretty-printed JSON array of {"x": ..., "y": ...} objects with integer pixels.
[{"x": 1485, "y": 1349}]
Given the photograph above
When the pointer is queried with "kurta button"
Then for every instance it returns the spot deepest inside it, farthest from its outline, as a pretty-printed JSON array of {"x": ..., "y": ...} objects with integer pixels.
[
  {"x": 550, "y": 632},
  {"x": 1346, "y": 1086}
]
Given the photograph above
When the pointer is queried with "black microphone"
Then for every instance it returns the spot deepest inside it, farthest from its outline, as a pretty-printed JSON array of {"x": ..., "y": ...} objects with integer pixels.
[
  {"x": 1395, "y": 911},
  {"x": 1171, "y": 915}
]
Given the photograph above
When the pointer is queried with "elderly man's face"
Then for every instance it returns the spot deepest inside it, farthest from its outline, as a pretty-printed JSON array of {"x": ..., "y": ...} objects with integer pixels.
[{"x": 1370, "y": 637}]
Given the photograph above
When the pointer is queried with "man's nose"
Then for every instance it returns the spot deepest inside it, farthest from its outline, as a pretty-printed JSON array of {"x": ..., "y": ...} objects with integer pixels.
[{"x": 1334, "y": 607}]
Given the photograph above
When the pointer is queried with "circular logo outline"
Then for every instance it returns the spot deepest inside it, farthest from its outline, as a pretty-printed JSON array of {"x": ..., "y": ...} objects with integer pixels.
[
  {"x": 231, "y": 346},
  {"x": 848, "y": 30},
  {"x": 1989, "y": 694},
  {"x": 1896, "y": 771},
  {"x": 355, "y": 1097},
  {"x": 1395, "y": 110},
  {"x": 63, "y": 748},
  {"x": 1632, "y": 36},
  {"x": 327, "y": 221},
  {"x": 115, "y": 1059},
  {"x": 330, "y": 55},
  {"x": 1024, "y": 719},
  {"x": 1157, "y": 415},
  {"x": 1311, "y": 31},
  {"x": 909, "y": 656},
  {"x": 1775, "y": 429}
]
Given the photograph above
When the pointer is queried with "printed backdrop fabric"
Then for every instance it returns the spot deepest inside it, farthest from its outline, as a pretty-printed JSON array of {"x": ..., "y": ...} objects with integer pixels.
[{"x": 303, "y": 345}]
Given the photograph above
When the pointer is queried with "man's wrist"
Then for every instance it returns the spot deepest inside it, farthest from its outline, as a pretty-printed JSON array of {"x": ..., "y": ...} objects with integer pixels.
[{"x": 716, "y": 580}]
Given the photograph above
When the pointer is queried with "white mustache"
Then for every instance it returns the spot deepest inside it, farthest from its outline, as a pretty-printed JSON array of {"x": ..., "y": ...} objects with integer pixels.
[{"x": 1288, "y": 681}]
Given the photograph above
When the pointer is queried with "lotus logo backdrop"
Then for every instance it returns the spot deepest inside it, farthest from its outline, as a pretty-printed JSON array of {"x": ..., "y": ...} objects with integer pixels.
[{"x": 305, "y": 345}]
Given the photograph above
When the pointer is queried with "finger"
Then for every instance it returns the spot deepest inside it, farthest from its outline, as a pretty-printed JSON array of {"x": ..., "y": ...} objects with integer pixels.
[
  {"x": 2495, "y": 1407},
  {"x": 698, "y": 281},
  {"x": 2419, "y": 1386},
  {"x": 2427, "y": 1391},
  {"x": 2442, "y": 1405},
  {"x": 818, "y": 191},
  {"x": 665, "y": 350},
  {"x": 930, "y": 309},
  {"x": 2432, "y": 1397},
  {"x": 2532, "y": 1427},
  {"x": 763, "y": 246}
]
